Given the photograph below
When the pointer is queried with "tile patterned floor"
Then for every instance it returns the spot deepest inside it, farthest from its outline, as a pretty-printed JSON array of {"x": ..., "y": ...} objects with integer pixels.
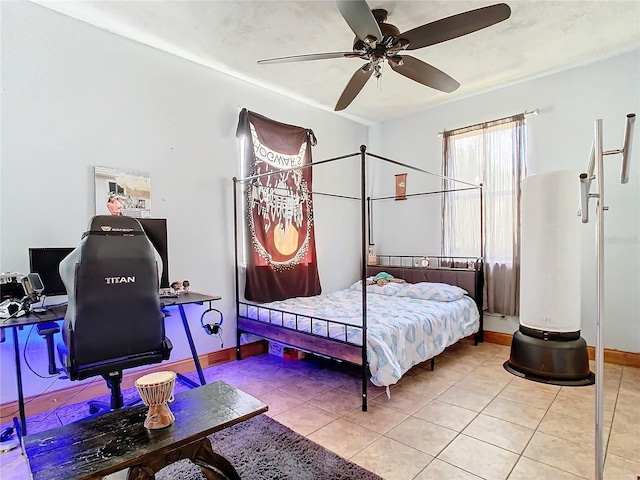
[{"x": 468, "y": 419}]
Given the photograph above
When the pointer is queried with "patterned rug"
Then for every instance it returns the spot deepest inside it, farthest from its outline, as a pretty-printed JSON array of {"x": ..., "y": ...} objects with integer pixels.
[{"x": 263, "y": 449}]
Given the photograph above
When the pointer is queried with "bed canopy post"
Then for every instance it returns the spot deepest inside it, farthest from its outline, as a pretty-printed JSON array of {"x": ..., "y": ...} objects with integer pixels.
[
  {"x": 369, "y": 220},
  {"x": 235, "y": 256},
  {"x": 479, "y": 337},
  {"x": 363, "y": 266},
  {"x": 481, "y": 223}
]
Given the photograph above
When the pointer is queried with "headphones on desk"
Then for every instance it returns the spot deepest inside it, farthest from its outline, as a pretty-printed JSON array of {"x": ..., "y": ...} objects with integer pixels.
[{"x": 213, "y": 328}]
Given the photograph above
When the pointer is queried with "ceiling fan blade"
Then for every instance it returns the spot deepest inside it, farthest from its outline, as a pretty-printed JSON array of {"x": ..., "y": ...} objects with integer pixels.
[
  {"x": 360, "y": 19},
  {"x": 354, "y": 86},
  {"x": 425, "y": 74},
  {"x": 455, "y": 26},
  {"x": 307, "y": 58}
]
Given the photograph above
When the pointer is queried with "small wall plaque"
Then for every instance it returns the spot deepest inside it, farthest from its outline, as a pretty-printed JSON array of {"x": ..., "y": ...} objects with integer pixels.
[{"x": 401, "y": 186}]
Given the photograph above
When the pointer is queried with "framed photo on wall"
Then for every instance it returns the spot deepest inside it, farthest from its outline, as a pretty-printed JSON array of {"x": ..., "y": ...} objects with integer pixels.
[{"x": 122, "y": 192}]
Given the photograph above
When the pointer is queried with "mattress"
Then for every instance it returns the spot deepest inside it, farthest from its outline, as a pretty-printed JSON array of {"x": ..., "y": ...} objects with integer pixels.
[{"x": 401, "y": 331}]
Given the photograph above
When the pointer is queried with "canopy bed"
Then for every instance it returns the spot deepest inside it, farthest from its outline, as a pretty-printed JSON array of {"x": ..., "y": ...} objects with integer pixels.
[{"x": 386, "y": 328}]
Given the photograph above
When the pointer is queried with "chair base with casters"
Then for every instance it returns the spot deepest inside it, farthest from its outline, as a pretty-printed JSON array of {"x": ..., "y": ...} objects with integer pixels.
[
  {"x": 113, "y": 378},
  {"x": 114, "y": 381}
]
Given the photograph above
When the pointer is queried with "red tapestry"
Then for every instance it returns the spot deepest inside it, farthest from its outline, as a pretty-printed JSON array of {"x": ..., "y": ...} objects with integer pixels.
[{"x": 279, "y": 210}]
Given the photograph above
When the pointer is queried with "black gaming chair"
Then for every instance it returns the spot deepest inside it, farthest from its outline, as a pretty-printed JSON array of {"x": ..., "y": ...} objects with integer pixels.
[{"x": 113, "y": 320}]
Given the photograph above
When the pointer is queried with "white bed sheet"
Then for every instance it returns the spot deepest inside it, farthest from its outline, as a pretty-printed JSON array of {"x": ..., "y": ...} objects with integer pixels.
[{"x": 401, "y": 331}]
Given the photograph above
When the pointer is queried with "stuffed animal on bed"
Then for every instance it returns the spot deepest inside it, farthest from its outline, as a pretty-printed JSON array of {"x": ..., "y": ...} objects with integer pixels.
[{"x": 382, "y": 278}]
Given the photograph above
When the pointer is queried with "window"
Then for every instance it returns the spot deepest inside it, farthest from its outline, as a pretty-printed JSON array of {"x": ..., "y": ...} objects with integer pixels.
[
  {"x": 494, "y": 154},
  {"x": 115, "y": 189}
]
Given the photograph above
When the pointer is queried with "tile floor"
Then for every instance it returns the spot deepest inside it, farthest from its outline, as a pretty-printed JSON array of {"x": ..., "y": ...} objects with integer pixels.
[{"x": 468, "y": 419}]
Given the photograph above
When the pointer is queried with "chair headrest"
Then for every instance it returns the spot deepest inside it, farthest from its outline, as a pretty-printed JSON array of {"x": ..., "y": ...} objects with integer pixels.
[{"x": 113, "y": 225}]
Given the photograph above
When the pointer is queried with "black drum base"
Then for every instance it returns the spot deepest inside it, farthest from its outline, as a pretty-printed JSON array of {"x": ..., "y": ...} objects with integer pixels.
[{"x": 555, "y": 362}]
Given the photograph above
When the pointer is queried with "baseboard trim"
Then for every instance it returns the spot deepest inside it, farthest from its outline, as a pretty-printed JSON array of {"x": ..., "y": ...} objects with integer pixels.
[
  {"x": 617, "y": 357},
  {"x": 498, "y": 337},
  {"x": 87, "y": 391}
]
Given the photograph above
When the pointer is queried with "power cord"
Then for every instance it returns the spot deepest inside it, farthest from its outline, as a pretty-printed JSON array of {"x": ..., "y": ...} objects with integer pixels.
[
  {"x": 12, "y": 414},
  {"x": 54, "y": 411}
]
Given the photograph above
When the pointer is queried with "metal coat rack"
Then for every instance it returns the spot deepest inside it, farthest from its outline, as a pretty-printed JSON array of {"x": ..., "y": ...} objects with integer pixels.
[{"x": 596, "y": 163}]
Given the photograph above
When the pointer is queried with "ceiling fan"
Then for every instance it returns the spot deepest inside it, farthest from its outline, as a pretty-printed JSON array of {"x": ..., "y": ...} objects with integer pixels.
[{"x": 377, "y": 41}]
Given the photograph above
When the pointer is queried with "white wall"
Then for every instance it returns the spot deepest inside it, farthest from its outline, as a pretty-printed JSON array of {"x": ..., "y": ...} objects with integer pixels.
[
  {"x": 74, "y": 96},
  {"x": 559, "y": 138}
]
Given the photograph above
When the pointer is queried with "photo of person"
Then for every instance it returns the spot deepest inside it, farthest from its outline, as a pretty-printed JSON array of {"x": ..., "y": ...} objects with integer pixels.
[
  {"x": 114, "y": 205},
  {"x": 120, "y": 192}
]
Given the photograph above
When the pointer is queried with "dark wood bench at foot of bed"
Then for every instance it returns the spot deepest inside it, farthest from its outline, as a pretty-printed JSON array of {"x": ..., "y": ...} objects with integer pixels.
[{"x": 94, "y": 447}]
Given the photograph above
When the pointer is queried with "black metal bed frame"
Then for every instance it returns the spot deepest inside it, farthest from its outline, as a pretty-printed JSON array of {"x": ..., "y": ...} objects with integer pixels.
[{"x": 325, "y": 345}]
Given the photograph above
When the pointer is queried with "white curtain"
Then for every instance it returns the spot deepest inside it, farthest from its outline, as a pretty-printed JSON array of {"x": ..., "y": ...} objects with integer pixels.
[{"x": 492, "y": 154}]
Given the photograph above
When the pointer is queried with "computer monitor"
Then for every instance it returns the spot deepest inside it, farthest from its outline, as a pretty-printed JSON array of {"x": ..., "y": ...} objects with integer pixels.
[
  {"x": 156, "y": 230},
  {"x": 45, "y": 262}
]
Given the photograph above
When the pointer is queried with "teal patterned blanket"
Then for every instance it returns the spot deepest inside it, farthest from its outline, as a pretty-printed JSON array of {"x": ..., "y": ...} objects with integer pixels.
[{"x": 401, "y": 331}]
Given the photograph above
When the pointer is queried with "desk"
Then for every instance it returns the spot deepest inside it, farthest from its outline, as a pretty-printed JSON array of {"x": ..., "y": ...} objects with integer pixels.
[
  {"x": 57, "y": 313},
  {"x": 180, "y": 301},
  {"x": 94, "y": 447}
]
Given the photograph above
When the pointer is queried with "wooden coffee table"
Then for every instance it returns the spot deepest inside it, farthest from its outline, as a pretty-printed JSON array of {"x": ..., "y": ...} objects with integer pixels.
[{"x": 95, "y": 447}]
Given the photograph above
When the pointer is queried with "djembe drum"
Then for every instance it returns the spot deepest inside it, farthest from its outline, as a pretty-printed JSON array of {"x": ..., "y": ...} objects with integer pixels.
[{"x": 156, "y": 390}]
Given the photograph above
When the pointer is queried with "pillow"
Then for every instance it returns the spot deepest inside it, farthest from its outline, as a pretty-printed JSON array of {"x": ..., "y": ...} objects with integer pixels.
[
  {"x": 440, "y": 292},
  {"x": 389, "y": 289}
]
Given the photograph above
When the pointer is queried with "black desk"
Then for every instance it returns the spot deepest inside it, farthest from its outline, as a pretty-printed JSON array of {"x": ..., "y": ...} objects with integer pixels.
[
  {"x": 57, "y": 313},
  {"x": 94, "y": 447},
  {"x": 185, "y": 299}
]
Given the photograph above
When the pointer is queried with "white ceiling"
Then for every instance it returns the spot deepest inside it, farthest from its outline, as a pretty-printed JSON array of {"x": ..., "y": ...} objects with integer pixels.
[{"x": 540, "y": 37}]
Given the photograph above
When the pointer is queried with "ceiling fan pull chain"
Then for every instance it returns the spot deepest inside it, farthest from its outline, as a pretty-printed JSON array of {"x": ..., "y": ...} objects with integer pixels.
[{"x": 377, "y": 68}]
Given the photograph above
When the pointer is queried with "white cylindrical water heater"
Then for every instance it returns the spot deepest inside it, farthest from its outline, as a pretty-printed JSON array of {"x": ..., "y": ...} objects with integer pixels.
[{"x": 550, "y": 265}]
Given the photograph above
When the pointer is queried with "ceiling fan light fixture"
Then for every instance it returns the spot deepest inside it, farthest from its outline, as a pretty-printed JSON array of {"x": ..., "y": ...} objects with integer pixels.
[
  {"x": 401, "y": 43},
  {"x": 395, "y": 61}
]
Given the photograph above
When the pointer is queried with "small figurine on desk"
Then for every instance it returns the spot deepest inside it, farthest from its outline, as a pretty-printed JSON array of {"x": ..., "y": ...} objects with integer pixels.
[{"x": 180, "y": 287}]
